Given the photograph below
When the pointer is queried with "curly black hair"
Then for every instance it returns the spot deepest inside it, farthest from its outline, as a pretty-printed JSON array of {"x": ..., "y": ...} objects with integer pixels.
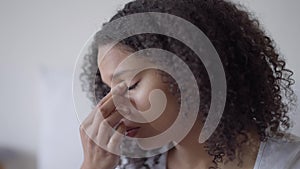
[{"x": 259, "y": 86}]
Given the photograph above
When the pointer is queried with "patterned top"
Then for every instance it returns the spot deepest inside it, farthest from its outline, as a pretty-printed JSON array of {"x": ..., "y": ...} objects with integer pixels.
[{"x": 272, "y": 154}]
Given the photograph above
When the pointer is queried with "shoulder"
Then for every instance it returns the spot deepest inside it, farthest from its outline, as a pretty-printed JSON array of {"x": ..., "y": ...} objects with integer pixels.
[{"x": 280, "y": 153}]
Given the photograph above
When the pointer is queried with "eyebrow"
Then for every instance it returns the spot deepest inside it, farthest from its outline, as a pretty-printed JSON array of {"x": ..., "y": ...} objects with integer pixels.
[{"x": 118, "y": 74}]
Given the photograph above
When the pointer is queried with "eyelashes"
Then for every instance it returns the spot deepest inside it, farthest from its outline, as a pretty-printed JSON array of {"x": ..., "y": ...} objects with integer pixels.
[
  {"x": 133, "y": 86},
  {"x": 108, "y": 89}
]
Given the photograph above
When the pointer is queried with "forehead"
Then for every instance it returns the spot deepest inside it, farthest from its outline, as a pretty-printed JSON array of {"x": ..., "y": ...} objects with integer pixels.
[
  {"x": 108, "y": 57},
  {"x": 108, "y": 61},
  {"x": 119, "y": 59}
]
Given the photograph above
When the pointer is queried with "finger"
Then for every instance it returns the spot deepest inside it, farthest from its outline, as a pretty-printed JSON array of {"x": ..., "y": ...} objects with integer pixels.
[
  {"x": 109, "y": 105},
  {"x": 107, "y": 108},
  {"x": 104, "y": 99},
  {"x": 114, "y": 119},
  {"x": 104, "y": 111},
  {"x": 93, "y": 128},
  {"x": 105, "y": 130},
  {"x": 89, "y": 119},
  {"x": 116, "y": 139},
  {"x": 117, "y": 102},
  {"x": 119, "y": 89},
  {"x": 104, "y": 133},
  {"x": 120, "y": 103},
  {"x": 83, "y": 134},
  {"x": 84, "y": 138}
]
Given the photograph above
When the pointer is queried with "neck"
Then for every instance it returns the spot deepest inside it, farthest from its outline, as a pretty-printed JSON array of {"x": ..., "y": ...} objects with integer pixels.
[{"x": 189, "y": 153}]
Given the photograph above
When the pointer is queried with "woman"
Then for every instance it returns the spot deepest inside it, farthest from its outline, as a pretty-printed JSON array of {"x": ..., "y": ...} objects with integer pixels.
[{"x": 252, "y": 130}]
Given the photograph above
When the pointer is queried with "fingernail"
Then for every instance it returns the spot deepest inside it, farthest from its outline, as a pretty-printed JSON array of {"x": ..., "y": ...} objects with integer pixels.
[
  {"x": 122, "y": 127},
  {"x": 123, "y": 84},
  {"x": 122, "y": 120},
  {"x": 115, "y": 90},
  {"x": 119, "y": 88}
]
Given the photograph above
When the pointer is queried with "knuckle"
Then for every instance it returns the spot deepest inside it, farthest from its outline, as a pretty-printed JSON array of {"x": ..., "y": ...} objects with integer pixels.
[
  {"x": 99, "y": 116},
  {"x": 108, "y": 123},
  {"x": 102, "y": 109},
  {"x": 103, "y": 123},
  {"x": 113, "y": 140},
  {"x": 90, "y": 142},
  {"x": 82, "y": 129}
]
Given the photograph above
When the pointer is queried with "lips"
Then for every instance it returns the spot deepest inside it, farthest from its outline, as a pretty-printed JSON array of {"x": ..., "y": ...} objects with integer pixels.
[{"x": 131, "y": 132}]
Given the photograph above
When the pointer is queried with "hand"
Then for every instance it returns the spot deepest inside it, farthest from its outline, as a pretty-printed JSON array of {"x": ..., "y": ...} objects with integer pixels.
[{"x": 96, "y": 133}]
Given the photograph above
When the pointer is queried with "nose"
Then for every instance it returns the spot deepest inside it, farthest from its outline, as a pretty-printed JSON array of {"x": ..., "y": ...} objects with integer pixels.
[
  {"x": 157, "y": 105},
  {"x": 124, "y": 103}
]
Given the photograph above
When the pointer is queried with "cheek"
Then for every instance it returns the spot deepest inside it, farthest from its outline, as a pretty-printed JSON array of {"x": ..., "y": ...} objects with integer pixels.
[
  {"x": 141, "y": 96},
  {"x": 140, "y": 99}
]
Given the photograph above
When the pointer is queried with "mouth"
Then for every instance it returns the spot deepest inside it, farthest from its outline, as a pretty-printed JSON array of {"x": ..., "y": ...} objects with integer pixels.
[{"x": 131, "y": 132}]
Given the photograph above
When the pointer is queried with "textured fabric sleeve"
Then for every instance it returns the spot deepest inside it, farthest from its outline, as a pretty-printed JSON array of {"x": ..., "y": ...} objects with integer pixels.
[
  {"x": 280, "y": 154},
  {"x": 294, "y": 163}
]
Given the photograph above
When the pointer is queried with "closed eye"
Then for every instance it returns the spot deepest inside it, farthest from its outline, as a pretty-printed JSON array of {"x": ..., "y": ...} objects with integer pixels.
[{"x": 133, "y": 86}]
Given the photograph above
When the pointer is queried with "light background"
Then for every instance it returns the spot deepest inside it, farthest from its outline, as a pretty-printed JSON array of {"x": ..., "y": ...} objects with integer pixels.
[{"x": 39, "y": 43}]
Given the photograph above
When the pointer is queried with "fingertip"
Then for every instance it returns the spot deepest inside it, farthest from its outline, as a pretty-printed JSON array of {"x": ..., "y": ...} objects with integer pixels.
[
  {"x": 104, "y": 99},
  {"x": 119, "y": 89},
  {"x": 121, "y": 128}
]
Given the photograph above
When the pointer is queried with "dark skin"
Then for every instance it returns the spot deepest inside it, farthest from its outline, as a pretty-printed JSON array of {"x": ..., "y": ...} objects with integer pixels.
[
  {"x": 257, "y": 78},
  {"x": 184, "y": 155},
  {"x": 94, "y": 132},
  {"x": 187, "y": 153}
]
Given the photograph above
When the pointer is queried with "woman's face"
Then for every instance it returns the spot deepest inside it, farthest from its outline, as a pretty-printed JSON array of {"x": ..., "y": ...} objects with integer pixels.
[{"x": 139, "y": 90}]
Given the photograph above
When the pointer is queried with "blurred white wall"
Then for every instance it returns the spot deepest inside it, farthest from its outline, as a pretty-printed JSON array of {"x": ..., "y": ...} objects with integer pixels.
[
  {"x": 38, "y": 37},
  {"x": 39, "y": 43}
]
